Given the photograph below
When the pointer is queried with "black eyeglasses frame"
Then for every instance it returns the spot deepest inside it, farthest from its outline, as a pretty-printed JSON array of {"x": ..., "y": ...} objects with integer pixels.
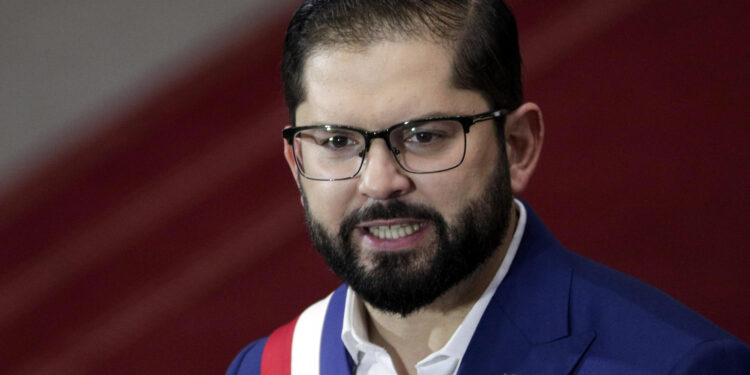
[{"x": 466, "y": 122}]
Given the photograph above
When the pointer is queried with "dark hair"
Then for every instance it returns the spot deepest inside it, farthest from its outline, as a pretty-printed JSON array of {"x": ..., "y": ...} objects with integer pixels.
[{"x": 481, "y": 33}]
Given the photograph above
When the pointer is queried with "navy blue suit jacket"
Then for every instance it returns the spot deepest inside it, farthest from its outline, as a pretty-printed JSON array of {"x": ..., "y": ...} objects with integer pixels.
[{"x": 559, "y": 313}]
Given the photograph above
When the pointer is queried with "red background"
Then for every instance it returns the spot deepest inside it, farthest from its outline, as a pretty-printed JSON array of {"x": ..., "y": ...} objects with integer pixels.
[{"x": 172, "y": 237}]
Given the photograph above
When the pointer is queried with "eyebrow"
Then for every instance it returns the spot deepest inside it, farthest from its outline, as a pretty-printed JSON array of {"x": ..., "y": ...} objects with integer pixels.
[
  {"x": 435, "y": 114},
  {"x": 428, "y": 115}
]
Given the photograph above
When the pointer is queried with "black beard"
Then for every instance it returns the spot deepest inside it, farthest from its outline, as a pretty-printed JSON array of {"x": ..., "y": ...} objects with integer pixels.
[{"x": 405, "y": 281}]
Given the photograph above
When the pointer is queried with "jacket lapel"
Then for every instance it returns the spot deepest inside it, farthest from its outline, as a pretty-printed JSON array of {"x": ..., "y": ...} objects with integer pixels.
[
  {"x": 525, "y": 327},
  {"x": 557, "y": 357}
]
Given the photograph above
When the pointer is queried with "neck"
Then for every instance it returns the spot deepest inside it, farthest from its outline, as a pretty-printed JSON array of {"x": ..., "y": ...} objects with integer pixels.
[{"x": 409, "y": 339}]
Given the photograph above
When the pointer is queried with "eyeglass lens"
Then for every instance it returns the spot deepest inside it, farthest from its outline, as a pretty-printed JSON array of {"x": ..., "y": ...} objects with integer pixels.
[{"x": 329, "y": 152}]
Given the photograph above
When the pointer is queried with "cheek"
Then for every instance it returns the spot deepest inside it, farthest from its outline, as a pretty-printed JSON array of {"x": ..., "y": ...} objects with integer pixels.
[
  {"x": 328, "y": 202},
  {"x": 482, "y": 156},
  {"x": 446, "y": 192},
  {"x": 452, "y": 190}
]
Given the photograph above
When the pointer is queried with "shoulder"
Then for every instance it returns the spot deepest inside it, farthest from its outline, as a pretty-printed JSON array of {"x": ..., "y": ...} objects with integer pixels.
[
  {"x": 605, "y": 300},
  {"x": 299, "y": 339},
  {"x": 599, "y": 291},
  {"x": 731, "y": 356},
  {"x": 247, "y": 362},
  {"x": 635, "y": 322}
]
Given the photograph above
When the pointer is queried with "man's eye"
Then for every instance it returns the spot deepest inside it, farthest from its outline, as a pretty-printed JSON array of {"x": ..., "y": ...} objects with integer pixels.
[
  {"x": 337, "y": 141},
  {"x": 422, "y": 137}
]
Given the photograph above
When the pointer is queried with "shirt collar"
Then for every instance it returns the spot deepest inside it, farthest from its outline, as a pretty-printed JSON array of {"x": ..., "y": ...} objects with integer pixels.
[{"x": 354, "y": 330}]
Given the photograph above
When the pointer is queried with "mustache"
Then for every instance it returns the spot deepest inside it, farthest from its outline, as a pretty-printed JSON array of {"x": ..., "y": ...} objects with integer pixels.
[{"x": 391, "y": 210}]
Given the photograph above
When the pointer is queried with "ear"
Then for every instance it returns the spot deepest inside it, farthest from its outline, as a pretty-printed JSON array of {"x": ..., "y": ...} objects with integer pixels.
[
  {"x": 524, "y": 135},
  {"x": 289, "y": 156}
]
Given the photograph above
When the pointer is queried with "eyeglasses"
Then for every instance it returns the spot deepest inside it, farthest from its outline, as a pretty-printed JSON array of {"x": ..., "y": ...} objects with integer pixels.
[{"x": 337, "y": 152}]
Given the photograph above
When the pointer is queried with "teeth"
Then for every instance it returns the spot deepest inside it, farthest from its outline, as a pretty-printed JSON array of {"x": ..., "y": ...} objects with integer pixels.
[{"x": 394, "y": 232}]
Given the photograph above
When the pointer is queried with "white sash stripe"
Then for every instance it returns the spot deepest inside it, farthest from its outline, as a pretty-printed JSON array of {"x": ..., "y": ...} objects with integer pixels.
[{"x": 306, "y": 339}]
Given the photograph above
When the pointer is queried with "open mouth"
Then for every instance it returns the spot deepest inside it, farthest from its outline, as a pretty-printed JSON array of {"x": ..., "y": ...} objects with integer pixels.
[{"x": 395, "y": 231}]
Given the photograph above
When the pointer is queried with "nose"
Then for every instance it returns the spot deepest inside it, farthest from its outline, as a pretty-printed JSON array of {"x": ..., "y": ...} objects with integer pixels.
[{"x": 381, "y": 177}]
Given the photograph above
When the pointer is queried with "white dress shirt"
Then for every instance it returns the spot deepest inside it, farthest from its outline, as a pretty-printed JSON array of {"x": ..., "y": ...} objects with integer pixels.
[{"x": 371, "y": 359}]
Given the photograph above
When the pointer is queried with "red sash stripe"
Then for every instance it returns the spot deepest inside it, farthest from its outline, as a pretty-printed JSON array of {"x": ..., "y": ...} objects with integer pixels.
[{"x": 277, "y": 353}]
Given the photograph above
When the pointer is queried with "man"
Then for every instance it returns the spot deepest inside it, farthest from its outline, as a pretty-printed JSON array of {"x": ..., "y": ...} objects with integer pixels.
[{"x": 410, "y": 138}]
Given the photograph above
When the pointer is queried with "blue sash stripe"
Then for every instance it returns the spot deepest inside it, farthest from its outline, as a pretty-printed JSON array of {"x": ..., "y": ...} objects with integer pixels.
[
  {"x": 248, "y": 361},
  {"x": 334, "y": 358}
]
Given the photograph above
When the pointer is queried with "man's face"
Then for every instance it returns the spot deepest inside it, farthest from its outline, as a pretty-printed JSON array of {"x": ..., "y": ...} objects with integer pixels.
[{"x": 442, "y": 226}]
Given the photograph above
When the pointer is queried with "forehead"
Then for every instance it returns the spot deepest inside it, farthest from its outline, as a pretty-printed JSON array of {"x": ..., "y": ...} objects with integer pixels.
[{"x": 381, "y": 84}]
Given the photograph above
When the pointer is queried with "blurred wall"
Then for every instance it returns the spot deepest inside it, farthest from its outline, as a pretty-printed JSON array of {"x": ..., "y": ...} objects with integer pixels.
[
  {"x": 165, "y": 232},
  {"x": 65, "y": 64}
]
